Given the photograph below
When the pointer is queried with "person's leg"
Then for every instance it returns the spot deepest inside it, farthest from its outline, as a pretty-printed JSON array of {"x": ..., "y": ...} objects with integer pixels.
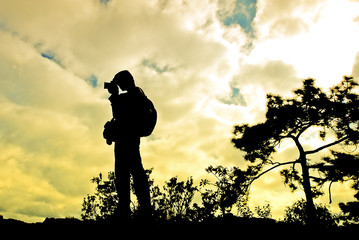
[
  {"x": 140, "y": 181},
  {"x": 122, "y": 181},
  {"x": 142, "y": 190}
]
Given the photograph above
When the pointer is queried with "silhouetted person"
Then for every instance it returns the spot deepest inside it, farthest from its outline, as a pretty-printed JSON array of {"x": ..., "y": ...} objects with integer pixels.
[{"x": 125, "y": 109}]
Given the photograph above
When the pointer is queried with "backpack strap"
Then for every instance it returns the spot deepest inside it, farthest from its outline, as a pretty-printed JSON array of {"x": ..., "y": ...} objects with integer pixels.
[{"x": 141, "y": 92}]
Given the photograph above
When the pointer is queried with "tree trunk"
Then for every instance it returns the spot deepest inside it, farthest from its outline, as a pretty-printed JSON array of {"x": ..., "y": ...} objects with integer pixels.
[{"x": 311, "y": 216}]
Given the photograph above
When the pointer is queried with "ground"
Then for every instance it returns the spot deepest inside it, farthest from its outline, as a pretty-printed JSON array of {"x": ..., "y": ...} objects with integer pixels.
[{"x": 231, "y": 227}]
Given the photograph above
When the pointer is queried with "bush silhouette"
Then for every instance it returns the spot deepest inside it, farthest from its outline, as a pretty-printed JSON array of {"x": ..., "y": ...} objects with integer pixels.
[
  {"x": 173, "y": 202},
  {"x": 297, "y": 214}
]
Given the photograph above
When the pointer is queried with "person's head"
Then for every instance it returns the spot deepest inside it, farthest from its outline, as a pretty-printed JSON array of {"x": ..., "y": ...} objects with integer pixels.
[{"x": 124, "y": 80}]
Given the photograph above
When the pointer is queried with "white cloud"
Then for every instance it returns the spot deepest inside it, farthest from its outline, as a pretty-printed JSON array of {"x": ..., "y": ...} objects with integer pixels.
[{"x": 324, "y": 50}]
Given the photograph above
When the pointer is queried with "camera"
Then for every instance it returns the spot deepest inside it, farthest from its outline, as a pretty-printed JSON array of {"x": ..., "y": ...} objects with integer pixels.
[{"x": 109, "y": 85}]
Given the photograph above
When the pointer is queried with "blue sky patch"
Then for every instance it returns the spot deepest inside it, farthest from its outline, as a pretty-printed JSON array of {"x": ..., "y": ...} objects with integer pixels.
[
  {"x": 243, "y": 14},
  {"x": 48, "y": 55},
  {"x": 235, "y": 92},
  {"x": 151, "y": 64},
  {"x": 92, "y": 80},
  {"x": 236, "y": 98},
  {"x": 104, "y": 1},
  {"x": 51, "y": 56}
]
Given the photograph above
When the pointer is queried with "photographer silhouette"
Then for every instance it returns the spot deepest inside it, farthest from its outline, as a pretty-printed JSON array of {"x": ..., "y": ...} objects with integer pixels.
[{"x": 129, "y": 111}]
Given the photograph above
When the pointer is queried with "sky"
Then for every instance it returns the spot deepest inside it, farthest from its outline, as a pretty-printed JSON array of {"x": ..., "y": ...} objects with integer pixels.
[{"x": 206, "y": 65}]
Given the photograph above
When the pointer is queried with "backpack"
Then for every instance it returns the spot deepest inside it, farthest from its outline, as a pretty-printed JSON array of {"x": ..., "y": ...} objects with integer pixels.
[{"x": 148, "y": 118}]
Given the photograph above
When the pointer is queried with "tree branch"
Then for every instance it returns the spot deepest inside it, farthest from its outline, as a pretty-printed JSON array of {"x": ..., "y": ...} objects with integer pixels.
[
  {"x": 326, "y": 146},
  {"x": 317, "y": 179},
  {"x": 330, "y": 192},
  {"x": 305, "y": 127},
  {"x": 270, "y": 169}
]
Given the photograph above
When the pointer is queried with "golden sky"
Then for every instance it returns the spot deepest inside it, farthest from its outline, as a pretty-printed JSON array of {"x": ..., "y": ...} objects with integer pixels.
[{"x": 206, "y": 65}]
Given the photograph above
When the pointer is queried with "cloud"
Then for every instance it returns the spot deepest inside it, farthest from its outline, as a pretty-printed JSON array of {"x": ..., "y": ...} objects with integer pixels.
[
  {"x": 151, "y": 64},
  {"x": 205, "y": 67},
  {"x": 355, "y": 71},
  {"x": 288, "y": 27},
  {"x": 50, "y": 121},
  {"x": 320, "y": 34},
  {"x": 53, "y": 112},
  {"x": 278, "y": 19},
  {"x": 271, "y": 76},
  {"x": 272, "y": 12}
]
